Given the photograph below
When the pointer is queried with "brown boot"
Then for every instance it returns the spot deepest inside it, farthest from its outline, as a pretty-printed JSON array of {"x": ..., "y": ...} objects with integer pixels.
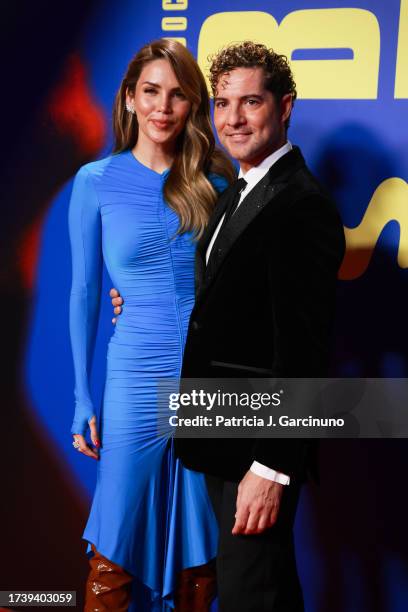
[
  {"x": 196, "y": 588},
  {"x": 108, "y": 586}
]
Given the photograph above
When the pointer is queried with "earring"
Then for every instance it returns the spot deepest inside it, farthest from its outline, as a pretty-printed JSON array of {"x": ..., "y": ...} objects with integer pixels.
[{"x": 130, "y": 107}]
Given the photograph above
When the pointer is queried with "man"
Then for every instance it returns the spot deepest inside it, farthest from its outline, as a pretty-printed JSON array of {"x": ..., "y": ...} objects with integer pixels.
[{"x": 266, "y": 271}]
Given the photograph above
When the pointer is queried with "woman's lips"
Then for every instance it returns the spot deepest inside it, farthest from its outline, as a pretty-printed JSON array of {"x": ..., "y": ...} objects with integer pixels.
[{"x": 161, "y": 125}]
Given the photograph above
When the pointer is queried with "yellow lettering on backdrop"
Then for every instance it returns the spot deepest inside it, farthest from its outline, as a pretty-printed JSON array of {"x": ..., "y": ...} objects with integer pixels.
[
  {"x": 178, "y": 5},
  {"x": 401, "y": 71},
  {"x": 389, "y": 203},
  {"x": 355, "y": 29},
  {"x": 221, "y": 29},
  {"x": 349, "y": 28},
  {"x": 174, "y": 24}
]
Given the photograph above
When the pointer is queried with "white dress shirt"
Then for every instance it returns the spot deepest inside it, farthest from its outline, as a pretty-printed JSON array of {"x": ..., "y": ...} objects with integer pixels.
[{"x": 252, "y": 177}]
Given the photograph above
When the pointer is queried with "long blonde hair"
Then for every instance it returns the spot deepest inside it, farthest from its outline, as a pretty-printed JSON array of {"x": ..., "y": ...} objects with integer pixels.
[{"x": 187, "y": 188}]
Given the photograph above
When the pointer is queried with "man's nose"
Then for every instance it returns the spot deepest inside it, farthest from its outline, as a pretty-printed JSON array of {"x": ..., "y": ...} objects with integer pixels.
[{"x": 235, "y": 116}]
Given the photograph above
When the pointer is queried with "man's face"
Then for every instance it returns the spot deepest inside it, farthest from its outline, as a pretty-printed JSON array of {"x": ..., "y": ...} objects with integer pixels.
[{"x": 249, "y": 122}]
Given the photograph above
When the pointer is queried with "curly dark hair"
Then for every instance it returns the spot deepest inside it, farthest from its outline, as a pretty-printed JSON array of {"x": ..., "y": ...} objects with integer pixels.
[{"x": 278, "y": 75}]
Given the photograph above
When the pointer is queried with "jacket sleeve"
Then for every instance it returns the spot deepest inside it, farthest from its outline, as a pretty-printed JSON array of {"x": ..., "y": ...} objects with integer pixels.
[
  {"x": 302, "y": 283},
  {"x": 86, "y": 249}
]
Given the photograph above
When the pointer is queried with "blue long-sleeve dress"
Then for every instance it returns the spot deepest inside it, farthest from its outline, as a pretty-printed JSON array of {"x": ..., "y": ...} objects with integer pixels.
[{"x": 149, "y": 514}]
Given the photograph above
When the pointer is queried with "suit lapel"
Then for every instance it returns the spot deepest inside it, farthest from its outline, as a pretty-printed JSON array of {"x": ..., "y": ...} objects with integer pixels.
[
  {"x": 202, "y": 245},
  {"x": 263, "y": 194}
]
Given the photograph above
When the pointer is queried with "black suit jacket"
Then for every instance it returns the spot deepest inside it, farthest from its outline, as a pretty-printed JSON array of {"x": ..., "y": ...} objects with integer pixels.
[{"x": 265, "y": 306}]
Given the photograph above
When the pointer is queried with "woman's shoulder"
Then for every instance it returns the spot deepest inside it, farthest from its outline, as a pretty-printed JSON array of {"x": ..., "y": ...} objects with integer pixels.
[
  {"x": 89, "y": 179},
  {"x": 95, "y": 169},
  {"x": 219, "y": 182}
]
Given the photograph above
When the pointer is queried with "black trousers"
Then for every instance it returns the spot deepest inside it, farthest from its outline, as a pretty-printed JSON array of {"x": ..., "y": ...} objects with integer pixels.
[{"x": 256, "y": 573}]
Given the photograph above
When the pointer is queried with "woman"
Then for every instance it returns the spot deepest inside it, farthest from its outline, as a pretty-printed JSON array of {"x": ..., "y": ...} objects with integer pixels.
[{"x": 139, "y": 210}]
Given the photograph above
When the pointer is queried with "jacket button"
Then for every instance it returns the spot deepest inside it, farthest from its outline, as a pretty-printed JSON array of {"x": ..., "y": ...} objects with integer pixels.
[{"x": 195, "y": 326}]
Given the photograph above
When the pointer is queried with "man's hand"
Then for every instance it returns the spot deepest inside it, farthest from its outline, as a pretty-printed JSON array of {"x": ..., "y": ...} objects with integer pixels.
[
  {"x": 258, "y": 504},
  {"x": 117, "y": 302}
]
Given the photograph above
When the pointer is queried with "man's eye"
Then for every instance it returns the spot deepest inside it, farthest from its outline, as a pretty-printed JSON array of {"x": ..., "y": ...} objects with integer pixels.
[
  {"x": 220, "y": 104},
  {"x": 252, "y": 101}
]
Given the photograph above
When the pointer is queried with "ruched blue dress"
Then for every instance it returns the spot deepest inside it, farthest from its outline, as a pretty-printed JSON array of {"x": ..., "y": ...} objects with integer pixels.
[{"x": 149, "y": 514}]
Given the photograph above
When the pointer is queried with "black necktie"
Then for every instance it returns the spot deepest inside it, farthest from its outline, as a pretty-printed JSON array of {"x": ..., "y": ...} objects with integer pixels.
[
  {"x": 231, "y": 208},
  {"x": 229, "y": 211}
]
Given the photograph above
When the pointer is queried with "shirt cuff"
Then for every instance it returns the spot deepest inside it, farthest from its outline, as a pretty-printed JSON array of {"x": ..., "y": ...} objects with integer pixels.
[{"x": 265, "y": 472}]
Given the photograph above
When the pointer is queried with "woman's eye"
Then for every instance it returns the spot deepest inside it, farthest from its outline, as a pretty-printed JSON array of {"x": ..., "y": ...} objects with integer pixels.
[
  {"x": 179, "y": 94},
  {"x": 149, "y": 90}
]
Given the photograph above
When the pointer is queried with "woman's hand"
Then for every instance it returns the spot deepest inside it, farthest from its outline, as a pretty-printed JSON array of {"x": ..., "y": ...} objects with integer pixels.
[
  {"x": 84, "y": 447},
  {"x": 117, "y": 302}
]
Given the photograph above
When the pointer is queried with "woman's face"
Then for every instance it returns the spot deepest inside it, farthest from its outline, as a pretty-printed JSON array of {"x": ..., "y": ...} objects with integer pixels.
[{"x": 160, "y": 104}]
